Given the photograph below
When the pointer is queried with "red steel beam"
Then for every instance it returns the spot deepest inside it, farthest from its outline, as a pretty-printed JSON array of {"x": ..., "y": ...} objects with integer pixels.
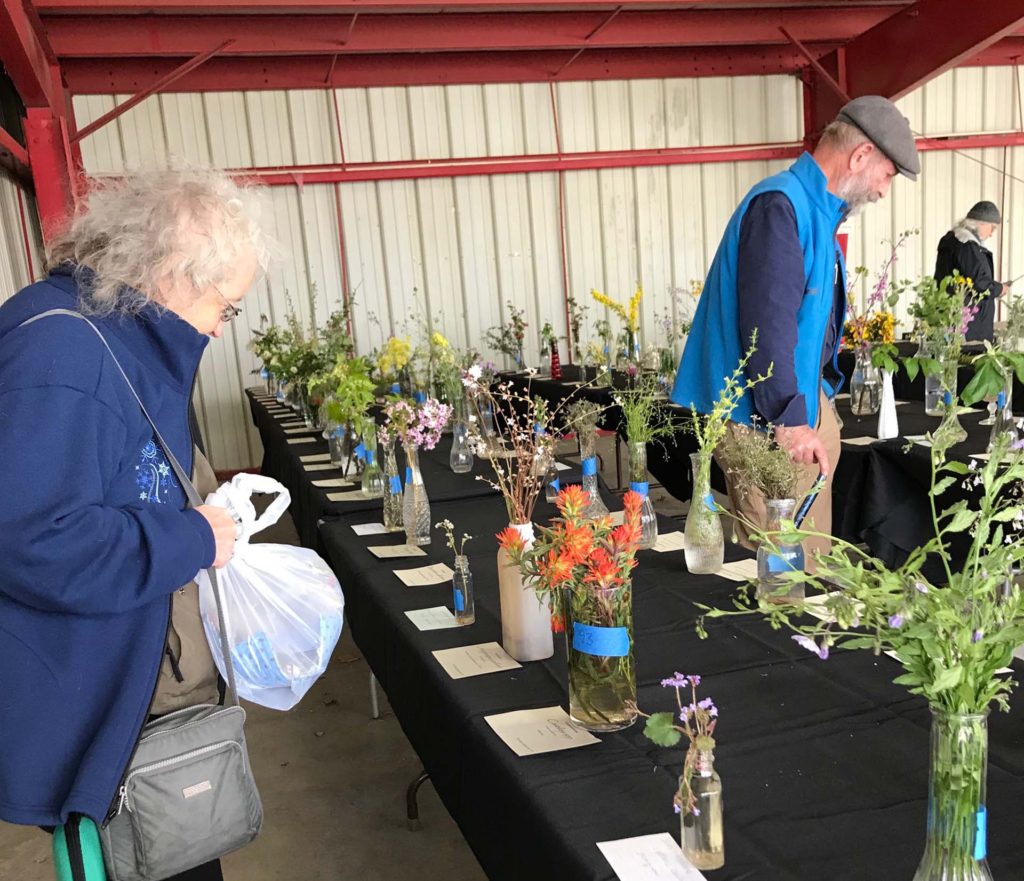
[
  {"x": 121, "y": 7},
  {"x": 913, "y": 46},
  {"x": 13, "y": 149},
  {"x": 140, "y": 96},
  {"x": 432, "y": 168},
  {"x": 27, "y": 57},
  {"x": 94, "y": 76},
  {"x": 972, "y": 142},
  {"x": 156, "y": 36}
]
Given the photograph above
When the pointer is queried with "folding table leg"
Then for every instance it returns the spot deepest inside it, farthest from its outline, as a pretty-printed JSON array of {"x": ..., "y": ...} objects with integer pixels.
[
  {"x": 374, "y": 702},
  {"x": 412, "y": 808}
]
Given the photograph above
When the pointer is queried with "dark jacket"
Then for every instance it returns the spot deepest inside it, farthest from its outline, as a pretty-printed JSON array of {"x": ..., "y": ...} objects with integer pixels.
[
  {"x": 974, "y": 261},
  {"x": 94, "y": 540}
]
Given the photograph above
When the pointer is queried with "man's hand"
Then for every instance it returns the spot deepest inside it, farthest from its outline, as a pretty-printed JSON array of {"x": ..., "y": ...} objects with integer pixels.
[
  {"x": 803, "y": 445},
  {"x": 224, "y": 532}
]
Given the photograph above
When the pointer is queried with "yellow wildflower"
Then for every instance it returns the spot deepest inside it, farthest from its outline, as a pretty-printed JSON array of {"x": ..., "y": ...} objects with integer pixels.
[
  {"x": 394, "y": 356},
  {"x": 630, "y": 316},
  {"x": 439, "y": 341},
  {"x": 634, "y": 309}
]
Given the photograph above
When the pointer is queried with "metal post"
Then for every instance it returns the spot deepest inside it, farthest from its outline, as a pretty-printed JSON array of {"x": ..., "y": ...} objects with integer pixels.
[
  {"x": 412, "y": 808},
  {"x": 374, "y": 702}
]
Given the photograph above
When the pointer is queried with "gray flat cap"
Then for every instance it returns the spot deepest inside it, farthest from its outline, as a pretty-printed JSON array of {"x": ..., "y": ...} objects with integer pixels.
[
  {"x": 888, "y": 129},
  {"x": 986, "y": 212}
]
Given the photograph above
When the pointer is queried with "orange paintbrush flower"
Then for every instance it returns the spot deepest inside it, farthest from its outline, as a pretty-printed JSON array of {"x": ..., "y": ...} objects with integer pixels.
[
  {"x": 576, "y": 542},
  {"x": 602, "y": 570},
  {"x": 555, "y": 570},
  {"x": 510, "y": 539},
  {"x": 572, "y": 501}
]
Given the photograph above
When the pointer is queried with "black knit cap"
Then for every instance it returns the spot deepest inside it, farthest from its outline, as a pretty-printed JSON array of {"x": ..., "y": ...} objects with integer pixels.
[{"x": 986, "y": 212}]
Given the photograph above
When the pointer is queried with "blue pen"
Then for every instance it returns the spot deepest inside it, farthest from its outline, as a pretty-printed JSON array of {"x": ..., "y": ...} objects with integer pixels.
[{"x": 806, "y": 506}]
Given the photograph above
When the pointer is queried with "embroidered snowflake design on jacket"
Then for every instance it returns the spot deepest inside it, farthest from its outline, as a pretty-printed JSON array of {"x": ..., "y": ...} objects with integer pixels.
[{"x": 153, "y": 475}]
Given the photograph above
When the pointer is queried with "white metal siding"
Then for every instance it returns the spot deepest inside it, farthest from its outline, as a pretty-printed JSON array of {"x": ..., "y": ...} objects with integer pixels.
[
  {"x": 17, "y": 268},
  {"x": 455, "y": 251}
]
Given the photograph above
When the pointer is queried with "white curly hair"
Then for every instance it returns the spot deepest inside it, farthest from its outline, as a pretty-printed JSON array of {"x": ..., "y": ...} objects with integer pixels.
[{"x": 148, "y": 233}]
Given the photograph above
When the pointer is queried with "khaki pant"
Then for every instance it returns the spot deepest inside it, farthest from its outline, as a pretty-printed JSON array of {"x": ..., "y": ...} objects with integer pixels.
[{"x": 751, "y": 504}]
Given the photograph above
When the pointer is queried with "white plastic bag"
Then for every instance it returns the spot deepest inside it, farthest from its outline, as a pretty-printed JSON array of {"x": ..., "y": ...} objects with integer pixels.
[{"x": 282, "y": 605}]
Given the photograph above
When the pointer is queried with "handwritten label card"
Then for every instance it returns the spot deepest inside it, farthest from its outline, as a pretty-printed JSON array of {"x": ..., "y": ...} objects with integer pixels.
[
  {"x": 391, "y": 552},
  {"x": 302, "y": 430},
  {"x": 544, "y": 730},
  {"x": 316, "y": 457},
  {"x": 435, "y": 573},
  {"x": 437, "y": 618},
  {"x": 475, "y": 660},
  {"x": 670, "y": 541},
  {"x": 859, "y": 441},
  {"x": 333, "y": 481},
  {"x": 741, "y": 570},
  {"x": 354, "y": 496},
  {"x": 326, "y": 466},
  {"x": 561, "y": 466},
  {"x": 302, "y": 440},
  {"x": 369, "y": 529},
  {"x": 649, "y": 858}
]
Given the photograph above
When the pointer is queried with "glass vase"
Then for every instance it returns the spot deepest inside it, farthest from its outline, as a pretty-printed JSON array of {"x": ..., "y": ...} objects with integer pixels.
[
  {"x": 339, "y": 444},
  {"x": 774, "y": 562},
  {"x": 372, "y": 484},
  {"x": 393, "y": 498},
  {"x": 639, "y": 484},
  {"x": 415, "y": 504},
  {"x": 552, "y": 485},
  {"x": 702, "y": 833},
  {"x": 461, "y": 457},
  {"x": 281, "y": 396},
  {"x": 269, "y": 383},
  {"x": 525, "y": 617},
  {"x": 1003, "y": 421},
  {"x": 948, "y": 409},
  {"x": 865, "y": 384},
  {"x": 599, "y": 646},
  {"x": 703, "y": 538},
  {"x": 956, "y": 844},
  {"x": 588, "y": 453},
  {"x": 462, "y": 592}
]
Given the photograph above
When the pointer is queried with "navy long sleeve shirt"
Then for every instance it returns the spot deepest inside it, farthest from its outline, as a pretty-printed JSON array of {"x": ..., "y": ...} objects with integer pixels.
[{"x": 770, "y": 285}]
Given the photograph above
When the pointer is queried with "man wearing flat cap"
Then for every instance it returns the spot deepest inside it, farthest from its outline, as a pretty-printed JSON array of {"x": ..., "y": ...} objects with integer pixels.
[
  {"x": 779, "y": 270},
  {"x": 963, "y": 249}
]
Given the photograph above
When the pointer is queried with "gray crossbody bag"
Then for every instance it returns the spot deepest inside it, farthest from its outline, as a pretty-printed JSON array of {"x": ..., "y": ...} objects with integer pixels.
[{"x": 188, "y": 796}]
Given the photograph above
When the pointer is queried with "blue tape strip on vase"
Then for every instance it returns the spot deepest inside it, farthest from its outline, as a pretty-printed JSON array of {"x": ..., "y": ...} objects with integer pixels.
[
  {"x": 408, "y": 474},
  {"x": 590, "y": 466},
  {"x": 640, "y": 488},
  {"x": 419, "y": 397},
  {"x": 781, "y": 564},
  {"x": 395, "y": 388},
  {"x": 369, "y": 456},
  {"x": 605, "y": 642},
  {"x": 396, "y": 485},
  {"x": 710, "y": 503},
  {"x": 981, "y": 834},
  {"x": 460, "y": 603},
  {"x": 556, "y": 485},
  {"x": 360, "y": 451}
]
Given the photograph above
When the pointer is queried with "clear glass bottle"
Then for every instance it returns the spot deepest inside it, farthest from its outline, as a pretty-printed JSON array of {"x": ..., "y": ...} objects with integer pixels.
[
  {"x": 339, "y": 443},
  {"x": 393, "y": 496},
  {"x": 588, "y": 454},
  {"x": 865, "y": 384},
  {"x": 372, "y": 484},
  {"x": 956, "y": 846},
  {"x": 415, "y": 504},
  {"x": 282, "y": 391},
  {"x": 487, "y": 422},
  {"x": 933, "y": 395},
  {"x": 639, "y": 484},
  {"x": 703, "y": 538},
  {"x": 950, "y": 431},
  {"x": 461, "y": 456},
  {"x": 1004, "y": 421},
  {"x": 462, "y": 592},
  {"x": 268, "y": 380},
  {"x": 772, "y": 563},
  {"x": 702, "y": 831},
  {"x": 552, "y": 485}
]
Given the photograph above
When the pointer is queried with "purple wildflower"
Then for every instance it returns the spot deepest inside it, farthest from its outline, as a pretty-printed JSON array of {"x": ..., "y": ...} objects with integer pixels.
[
  {"x": 677, "y": 680},
  {"x": 976, "y": 636},
  {"x": 676, "y": 808},
  {"x": 811, "y": 646},
  {"x": 896, "y": 621},
  {"x": 920, "y": 587},
  {"x": 694, "y": 680},
  {"x": 696, "y": 812}
]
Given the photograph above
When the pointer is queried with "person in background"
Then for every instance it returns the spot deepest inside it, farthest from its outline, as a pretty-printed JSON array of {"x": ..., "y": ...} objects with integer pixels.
[
  {"x": 99, "y": 612},
  {"x": 779, "y": 270},
  {"x": 963, "y": 249}
]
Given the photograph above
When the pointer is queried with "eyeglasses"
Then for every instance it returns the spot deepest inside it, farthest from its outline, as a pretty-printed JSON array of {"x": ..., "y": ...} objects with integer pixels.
[{"x": 230, "y": 311}]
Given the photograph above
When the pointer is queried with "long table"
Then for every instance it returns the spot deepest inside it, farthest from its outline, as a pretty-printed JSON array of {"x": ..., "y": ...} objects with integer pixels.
[{"x": 824, "y": 763}]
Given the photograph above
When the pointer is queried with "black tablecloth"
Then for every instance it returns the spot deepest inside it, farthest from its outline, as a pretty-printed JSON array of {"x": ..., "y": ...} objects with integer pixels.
[{"x": 824, "y": 764}]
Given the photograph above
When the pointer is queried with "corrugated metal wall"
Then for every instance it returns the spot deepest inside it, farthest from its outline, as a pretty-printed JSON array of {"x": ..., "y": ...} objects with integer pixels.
[
  {"x": 454, "y": 251},
  {"x": 20, "y": 242}
]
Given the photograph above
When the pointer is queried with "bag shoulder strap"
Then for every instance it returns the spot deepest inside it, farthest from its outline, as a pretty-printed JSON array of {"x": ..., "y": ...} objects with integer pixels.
[{"x": 191, "y": 492}]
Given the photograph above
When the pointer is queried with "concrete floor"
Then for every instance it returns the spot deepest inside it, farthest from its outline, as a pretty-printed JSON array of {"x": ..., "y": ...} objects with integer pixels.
[{"x": 333, "y": 783}]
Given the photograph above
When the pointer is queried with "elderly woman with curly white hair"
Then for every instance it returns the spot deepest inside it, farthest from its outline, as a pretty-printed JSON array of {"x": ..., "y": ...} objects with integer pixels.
[{"x": 99, "y": 620}]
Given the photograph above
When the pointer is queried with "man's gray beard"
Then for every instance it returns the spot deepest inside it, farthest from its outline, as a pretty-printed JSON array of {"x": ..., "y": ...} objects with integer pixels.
[{"x": 855, "y": 193}]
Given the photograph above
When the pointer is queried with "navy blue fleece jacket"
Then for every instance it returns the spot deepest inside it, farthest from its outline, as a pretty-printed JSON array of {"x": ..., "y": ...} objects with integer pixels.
[{"x": 94, "y": 539}]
